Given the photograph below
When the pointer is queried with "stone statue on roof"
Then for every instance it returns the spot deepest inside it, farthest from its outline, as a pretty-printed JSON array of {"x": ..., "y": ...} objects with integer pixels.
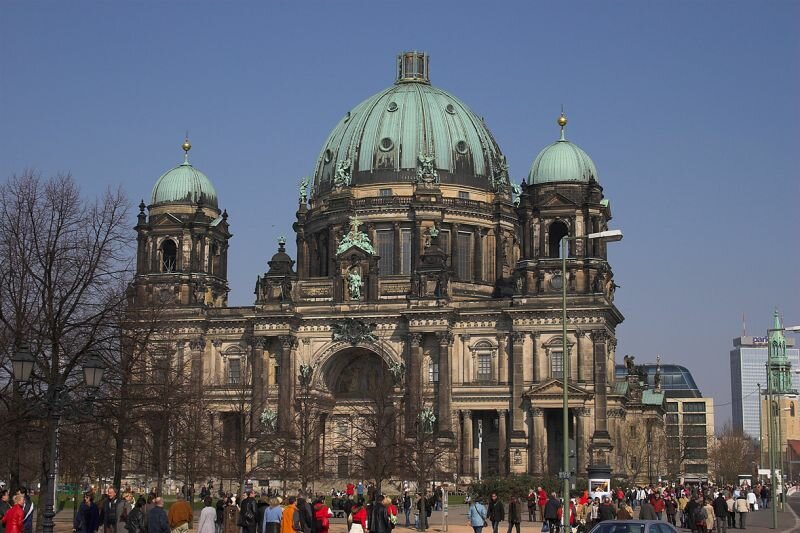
[
  {"x": 344, "y": 176},
  {"x": 426, "y": 173},
  {"x": 355, "y": 237}
]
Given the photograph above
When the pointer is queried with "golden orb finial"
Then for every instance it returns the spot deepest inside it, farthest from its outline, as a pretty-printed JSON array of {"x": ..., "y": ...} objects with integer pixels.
[
  {"x": 186, "y": 145},
  {"x": 562, "y": 120}
]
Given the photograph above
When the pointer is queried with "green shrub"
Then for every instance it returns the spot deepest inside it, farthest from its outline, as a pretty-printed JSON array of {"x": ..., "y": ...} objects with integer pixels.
[{"x": 512, "y": 485}]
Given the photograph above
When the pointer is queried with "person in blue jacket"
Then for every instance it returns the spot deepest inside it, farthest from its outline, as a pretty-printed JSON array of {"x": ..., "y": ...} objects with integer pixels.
[{"x": 477, "y": 515}]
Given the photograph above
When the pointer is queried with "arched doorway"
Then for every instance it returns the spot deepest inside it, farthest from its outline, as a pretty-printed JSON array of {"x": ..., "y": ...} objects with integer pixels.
[{"x": 362, "y": 428}]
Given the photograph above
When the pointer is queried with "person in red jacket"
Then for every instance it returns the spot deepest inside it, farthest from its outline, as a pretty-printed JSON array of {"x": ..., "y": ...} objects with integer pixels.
[
  {"x": 542, "y": 501},
  {"x": 359, "y": 514},
  {"x": 12, "y": 520},
  {"x": 658, "y": 504},
  {"x": 322, "y": 515}
]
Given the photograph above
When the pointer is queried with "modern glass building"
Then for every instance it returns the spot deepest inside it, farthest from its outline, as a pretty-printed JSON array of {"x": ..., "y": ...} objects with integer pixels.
[
  {"x": 688, "y": 424},
  {"x": 748, "y": 370},
  {"x": 676, "y": 380}
]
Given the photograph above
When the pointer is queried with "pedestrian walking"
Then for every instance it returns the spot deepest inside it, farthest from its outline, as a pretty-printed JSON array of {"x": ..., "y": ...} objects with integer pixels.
[
  {"x": 514, "y": 514},
  {"x": 13, "y": 518},
  {"x": 272, "y": 517},
  {"x": 180, "y": 515},
  {"x": 87, "y": 519},
  {"x": 742, "y": 509},
  {"x": 135, "y": 522},
  {"x": 407, "y": 507},
  {"x": 496, "y": 511},
  {"x": 157, "y": 521},
  {"x": 114, "y": 512},
  {"x": 208, "y": 517},
  {"x": 551, "y": 508},
  {"x": 721, "y": 513},
  {"x": 477, "y": 516}
]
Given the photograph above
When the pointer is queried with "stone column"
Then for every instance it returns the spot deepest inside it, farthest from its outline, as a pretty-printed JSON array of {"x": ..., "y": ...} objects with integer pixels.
[
  {"x": 286, "y": 389},
  {"x": 600, "y": 455},
  {"x": 477, "y": 257},
  {"x": 536, "y": 355},
  {"x": 259, "y": 382},
  {"x": 417, "y": 246},
  {"x": 502, "y": 451},
  {"x": 502, "y": 358},
  {"x": 539, "y": 441},
  {"x": 197, "y": 345},
  {"x": 397, "y": 265},
  {"x": 445, "y": 388},
  {"x": 414, "y": 384},
  {"x": 466, "y": 443},
  {"x": 517, "y": 385}
]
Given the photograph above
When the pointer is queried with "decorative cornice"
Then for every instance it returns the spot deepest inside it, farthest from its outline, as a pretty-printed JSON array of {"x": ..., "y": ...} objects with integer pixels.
[
  {"x": 415, "y": 339},
  {"x": 196, "y": 344},
  {"x": 445, "y": 338}
]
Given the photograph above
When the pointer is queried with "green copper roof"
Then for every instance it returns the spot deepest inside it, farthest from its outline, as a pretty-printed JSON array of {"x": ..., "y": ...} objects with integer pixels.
[
  {"x": 383, "y": 137},
  {"x": 651, "y": 397},
  {"x": 184, "y": 184},
  {"x": 562, "y": 161}
]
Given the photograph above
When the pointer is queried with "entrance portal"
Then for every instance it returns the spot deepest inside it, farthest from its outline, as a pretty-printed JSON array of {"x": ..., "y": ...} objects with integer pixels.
[{"x": 361, "y": 431}]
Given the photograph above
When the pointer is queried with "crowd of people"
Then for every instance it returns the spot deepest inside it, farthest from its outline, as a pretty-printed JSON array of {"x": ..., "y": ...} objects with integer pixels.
[{"x": 699, "y": 509}]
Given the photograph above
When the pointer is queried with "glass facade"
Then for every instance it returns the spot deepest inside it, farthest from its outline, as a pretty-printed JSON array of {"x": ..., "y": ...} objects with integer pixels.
[
  {"x": 676, "y": 380},
  {"x": 748, "y": 370}
]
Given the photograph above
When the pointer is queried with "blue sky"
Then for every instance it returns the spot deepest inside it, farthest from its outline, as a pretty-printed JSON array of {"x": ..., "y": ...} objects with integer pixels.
[{"x": 689, "y": 110}]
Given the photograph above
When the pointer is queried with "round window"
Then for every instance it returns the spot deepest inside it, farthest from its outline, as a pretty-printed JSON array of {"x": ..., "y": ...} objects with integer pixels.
[
  {"x": 328, "y": 156},
  {"x": 391, "y": 107},
  {"x": 347, "y": 116},
  {"x": 461, "y": 147},
  {"x": 450, "y": 109},
  {"x": 386, "y": 144}
]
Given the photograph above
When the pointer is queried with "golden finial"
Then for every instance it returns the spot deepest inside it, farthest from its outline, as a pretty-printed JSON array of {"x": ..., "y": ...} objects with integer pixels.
[
  {"x": 562, "y": 121},
  {"x": 186, "y": 147}
]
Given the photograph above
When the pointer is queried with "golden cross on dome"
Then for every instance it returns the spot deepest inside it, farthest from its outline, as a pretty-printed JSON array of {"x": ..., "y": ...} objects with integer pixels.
[{"x": 354, "y": 224}]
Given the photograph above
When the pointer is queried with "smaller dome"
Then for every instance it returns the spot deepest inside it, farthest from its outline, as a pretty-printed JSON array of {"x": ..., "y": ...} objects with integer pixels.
[
  {"x": 562, "y": 161},
  {"x": 184, "y": 184}
]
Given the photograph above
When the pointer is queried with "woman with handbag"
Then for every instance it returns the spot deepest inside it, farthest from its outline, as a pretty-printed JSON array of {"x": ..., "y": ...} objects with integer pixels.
[{"x": 477, "y": 516}]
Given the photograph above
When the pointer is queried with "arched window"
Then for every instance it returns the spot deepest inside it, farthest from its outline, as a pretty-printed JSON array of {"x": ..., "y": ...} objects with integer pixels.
[
  {"x": 169, "y": 256},
  {"x": 214, "y": 270},
  {"x": 556, "y": 232}
]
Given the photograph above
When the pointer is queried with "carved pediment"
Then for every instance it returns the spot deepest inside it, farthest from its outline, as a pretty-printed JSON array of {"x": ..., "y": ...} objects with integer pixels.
[
  {"x": 557, "y": 200},
  {"x": 555, "y": 388},
  {"x": 167, "y": 219}
]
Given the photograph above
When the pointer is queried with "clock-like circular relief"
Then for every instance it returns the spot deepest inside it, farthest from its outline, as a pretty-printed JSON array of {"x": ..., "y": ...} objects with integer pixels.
[
  {"x": 461, "y": 147},
  {"x": 386, "y": 144},
  {"x": 392, "y": 107},
  {"x": 450, "y": 109}
]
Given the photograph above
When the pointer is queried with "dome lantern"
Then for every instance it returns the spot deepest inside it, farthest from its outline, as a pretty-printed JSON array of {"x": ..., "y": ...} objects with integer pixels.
[
  {"x": 184, "y": 184},
  {"x": 413, "y": 67},
  {"x": 562, "y": 161}
]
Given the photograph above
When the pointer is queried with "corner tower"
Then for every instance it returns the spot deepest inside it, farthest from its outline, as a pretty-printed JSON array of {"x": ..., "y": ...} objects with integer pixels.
[{"x": 182, "y": 244}]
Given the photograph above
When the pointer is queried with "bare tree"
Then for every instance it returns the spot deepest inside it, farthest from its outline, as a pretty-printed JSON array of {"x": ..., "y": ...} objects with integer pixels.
[
  {"x": 734, "y": 453},
  {"x": 62, "y": 261},
  {"x": 426, "y": 453}
]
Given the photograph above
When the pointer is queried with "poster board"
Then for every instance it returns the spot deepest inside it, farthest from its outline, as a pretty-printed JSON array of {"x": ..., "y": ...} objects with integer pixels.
[{"x": 599, "y": 487}]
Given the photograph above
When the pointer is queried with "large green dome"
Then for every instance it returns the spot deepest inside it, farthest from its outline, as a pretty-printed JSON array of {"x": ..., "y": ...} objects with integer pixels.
[
  {"x": 184, "y": 184},
  {"x": 562, "y": 161},
  {"x": 381, "y": 139}
]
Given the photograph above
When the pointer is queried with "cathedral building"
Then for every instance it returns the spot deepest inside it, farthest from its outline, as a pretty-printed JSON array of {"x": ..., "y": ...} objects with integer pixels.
[{"x": 418, "y": 258}]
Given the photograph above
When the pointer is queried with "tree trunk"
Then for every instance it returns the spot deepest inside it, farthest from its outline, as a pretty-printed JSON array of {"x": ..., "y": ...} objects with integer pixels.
[{"x": 119, "y": 450}]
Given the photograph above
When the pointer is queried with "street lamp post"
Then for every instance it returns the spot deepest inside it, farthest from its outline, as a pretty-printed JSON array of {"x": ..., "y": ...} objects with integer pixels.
[
  {"x": 22, "y": 366},
  {"x": 607, "y": 236},
  {"x": 760, "y": 430}
]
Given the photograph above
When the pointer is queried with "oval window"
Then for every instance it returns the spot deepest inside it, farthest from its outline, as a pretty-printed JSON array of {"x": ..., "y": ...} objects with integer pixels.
[
  {"x": 386, "y": 144},
  {"x": 450, "y": 109},
  {"x": 391, "y": 107},
  {"x": 328, "y": 156},
  {"x": 461, "y": 147}
]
